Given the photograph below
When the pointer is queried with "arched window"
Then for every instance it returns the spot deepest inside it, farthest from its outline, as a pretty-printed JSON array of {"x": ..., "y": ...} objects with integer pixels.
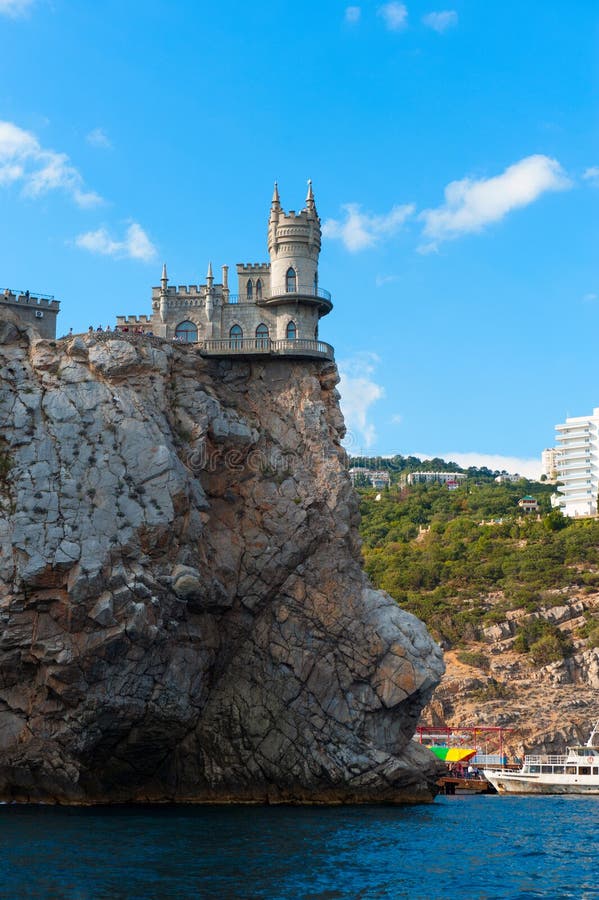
[
  {"x": 316, "y": 284},
  {"x": 291, "y": 281},
  {"x": 236, "y": 338},
  {"x": 258, "y": 290},
  {"x": 186, "y": 332},
  {"x": 262, "y": 337},
  {"x": 316, "y": 333},
  {"x": 291, "y": 331},
  {"x": 249, "y": 289}
]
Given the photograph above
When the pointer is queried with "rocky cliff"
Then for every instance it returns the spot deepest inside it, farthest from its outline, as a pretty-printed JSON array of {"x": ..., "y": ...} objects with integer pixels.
[
  {"x": 184, "y": 614},
  {"x": 547, "y": 706}
]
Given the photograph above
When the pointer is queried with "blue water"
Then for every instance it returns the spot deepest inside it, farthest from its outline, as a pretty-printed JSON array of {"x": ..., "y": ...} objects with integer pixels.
[{"x": 459, "y": 847}]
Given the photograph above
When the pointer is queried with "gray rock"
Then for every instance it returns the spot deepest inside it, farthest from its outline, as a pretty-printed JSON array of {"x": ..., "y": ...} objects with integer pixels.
[{"x": 185, "y": 615}]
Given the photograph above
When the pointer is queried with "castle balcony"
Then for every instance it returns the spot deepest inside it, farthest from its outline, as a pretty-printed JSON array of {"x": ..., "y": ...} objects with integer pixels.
[
  {"x": 279, "y": 295},
  {"x": 298, "y": 348}
]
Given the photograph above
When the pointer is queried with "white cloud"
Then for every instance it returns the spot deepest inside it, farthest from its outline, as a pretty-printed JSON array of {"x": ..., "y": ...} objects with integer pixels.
[
  {"x": 360, "y": 230},
  {"x": 470, "y": 204},
  {"x": 589, "y": 298},
  {"x": 98, "y": 138},
  {"x": 135, "y": 245},
  {"x": 441, "y": 21},
  {"x": 15, "y": 8},
  {"x": 530, "y": 468},
  {"x": 352, "y": 14},
  {"x": 592, "y": 174},
  {"x": 395, "y": 15},
  {"x": 23, "y": 159},
  {"x": 358, "y": 392},
  {"x": 396, "y": 419}
]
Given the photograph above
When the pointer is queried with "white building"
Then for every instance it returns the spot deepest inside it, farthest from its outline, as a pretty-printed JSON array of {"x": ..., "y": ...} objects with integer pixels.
[
  {"x": 577, "y": 465},
  {"x": 378, "y": 479},
  {"x": 433, "y": 478},
  {"x": 549, "y": 463},
  {"x": 508, "y": 478}
]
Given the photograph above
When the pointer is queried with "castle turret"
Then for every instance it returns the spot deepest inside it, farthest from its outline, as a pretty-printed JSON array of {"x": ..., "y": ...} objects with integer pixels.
[
  {"x": 209, "y": 292},
  {"x": 163, "y": 295},
  {"x": 294, "y": 248}
]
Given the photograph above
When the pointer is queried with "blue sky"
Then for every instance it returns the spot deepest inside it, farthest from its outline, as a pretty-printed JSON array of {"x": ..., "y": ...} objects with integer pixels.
[{"x": 454, "y": 152}]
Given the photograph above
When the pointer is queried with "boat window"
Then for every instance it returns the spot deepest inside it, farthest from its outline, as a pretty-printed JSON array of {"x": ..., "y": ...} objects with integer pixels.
[
  {"x": 595, "y": 770},
  {"x": 536, "y": 769},
  {"x": 570, "y": 770},
  {"x": 584, "y": 770},
  {"x": 546, "y": 769}
]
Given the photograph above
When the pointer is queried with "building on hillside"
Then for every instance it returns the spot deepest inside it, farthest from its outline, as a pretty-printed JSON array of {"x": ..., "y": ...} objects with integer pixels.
[
  {"x": 577, "y": 465},
  {"x": 38, "y": 310},
  {"x": 508, "y": 478},
  {"x": 447, "y": 478},
  {"x": 549, "y": 463},
  {"x": 528, "y": 504},
  {"x": 276, "y": 310},
  {"x": 378, "y": 479}
]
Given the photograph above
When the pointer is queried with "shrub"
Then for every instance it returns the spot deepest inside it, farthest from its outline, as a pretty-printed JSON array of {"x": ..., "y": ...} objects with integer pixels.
[
  {"x": 493, "y": 690},
  {"x": 547, "y": 649},
  {"x": 474, "y": 658}
]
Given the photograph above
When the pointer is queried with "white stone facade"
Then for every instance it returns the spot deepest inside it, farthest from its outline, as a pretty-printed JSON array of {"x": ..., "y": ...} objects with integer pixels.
[
  {"x": 276, "y": 310},
  {"x": 577, "y": 465}
]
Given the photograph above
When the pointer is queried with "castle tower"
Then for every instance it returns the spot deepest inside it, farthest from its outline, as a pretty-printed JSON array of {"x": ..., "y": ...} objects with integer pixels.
[{"x": 294, "y": 248}]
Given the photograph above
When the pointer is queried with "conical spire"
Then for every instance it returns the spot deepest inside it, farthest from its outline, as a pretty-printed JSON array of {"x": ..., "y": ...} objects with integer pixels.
[
  {"x": 164, "y": 275},
  {"x": 275, "y": 195},
  {"x": 310, "y": 197},
  {"x": 209, "y": 275}
]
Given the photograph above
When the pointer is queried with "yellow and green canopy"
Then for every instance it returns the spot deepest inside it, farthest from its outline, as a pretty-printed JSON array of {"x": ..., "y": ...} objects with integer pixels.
[{"x": 453, "y": 754}]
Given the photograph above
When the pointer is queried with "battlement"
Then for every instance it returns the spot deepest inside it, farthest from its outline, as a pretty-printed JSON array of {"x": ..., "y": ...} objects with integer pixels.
[
  {"x": 184, "y": 291},
  {"x": 39, "y": 301},
  {"x": 303, "y": 217},
  {"x": 251, "y": 268},
  {"x": 133, "y": 320}
]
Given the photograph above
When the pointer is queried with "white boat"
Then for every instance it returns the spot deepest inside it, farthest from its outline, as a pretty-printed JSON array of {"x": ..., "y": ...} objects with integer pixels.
[{"x": 576, "y": 772}]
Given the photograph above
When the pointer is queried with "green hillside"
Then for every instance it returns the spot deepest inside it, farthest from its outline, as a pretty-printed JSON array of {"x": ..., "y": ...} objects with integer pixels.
[{"x": 461, "y": 559}]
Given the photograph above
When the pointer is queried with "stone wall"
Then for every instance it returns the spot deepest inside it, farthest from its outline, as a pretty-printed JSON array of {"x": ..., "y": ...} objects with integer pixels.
[{"x": 38, "y": 313}]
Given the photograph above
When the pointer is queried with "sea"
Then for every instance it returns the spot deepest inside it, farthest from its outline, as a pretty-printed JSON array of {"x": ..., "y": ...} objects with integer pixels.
[{"x": 458, "y": 847}]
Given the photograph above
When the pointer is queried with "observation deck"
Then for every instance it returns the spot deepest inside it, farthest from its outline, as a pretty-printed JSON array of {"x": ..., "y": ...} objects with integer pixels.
[{"x": 301, "y": 349}]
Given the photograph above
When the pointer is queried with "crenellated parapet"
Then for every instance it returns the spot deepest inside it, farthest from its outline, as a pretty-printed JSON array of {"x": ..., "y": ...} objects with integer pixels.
[
  {"x": 132, "y": 321},
  {"x": 253, "y": 268},
  {"x": 41, "y": 301}
]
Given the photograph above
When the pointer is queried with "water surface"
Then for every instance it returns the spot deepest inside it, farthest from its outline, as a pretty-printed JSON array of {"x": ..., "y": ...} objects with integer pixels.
[{"x": 459, "y": 847}]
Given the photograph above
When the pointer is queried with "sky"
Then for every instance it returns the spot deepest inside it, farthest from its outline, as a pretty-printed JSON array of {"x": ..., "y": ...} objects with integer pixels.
[{"x": 453, "y": 147}]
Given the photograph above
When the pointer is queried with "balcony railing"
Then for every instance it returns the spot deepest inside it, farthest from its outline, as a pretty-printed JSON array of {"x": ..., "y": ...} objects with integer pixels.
[
  {"x": 264, "y": 346},
  {"x": 281, "y": 291},
  {"x": 10, "y": 293},
  {"x": 304, "y": 290}
]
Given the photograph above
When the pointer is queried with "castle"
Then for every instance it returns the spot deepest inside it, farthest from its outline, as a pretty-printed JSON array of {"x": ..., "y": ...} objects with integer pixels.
[
  {"x": 276, "y": 311},
  {"x": 38, "y": 310}
]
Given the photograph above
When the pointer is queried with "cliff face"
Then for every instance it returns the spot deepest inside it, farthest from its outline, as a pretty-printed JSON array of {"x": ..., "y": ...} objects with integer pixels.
[
  {"x": 184, "y": 615},
  {"x": 547, "y": 706}
]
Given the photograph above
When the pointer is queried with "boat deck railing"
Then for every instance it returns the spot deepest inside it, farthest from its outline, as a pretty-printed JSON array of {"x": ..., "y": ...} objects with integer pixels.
[{"x": 545, "y": 760}]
